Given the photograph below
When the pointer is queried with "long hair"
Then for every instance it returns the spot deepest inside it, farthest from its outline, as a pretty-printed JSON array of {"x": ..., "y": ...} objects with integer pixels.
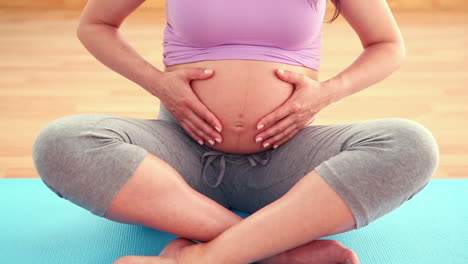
[{"x": 337, "y": 5}]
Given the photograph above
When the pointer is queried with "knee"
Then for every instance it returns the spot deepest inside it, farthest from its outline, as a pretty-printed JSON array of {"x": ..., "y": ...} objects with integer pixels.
[
  {"x": 390, "y": 160},
  {"x": 415, "y": 151},
  {"x": 53, "y": 146}
]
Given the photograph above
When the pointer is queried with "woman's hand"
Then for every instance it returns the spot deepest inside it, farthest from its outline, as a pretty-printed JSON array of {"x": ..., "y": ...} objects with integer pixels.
[
  {"x": 175, "y": 92},
  {"x": 296, "y": 113}
]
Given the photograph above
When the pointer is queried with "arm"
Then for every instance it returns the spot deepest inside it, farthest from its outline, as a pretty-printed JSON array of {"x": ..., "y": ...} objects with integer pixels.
[
  {"x": 384, "y": 49},
  {"x": 98, "y": 30}
]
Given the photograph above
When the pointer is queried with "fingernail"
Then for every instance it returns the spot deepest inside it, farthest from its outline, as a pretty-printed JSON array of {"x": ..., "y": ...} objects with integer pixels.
[
  {"x": 258, "y": 139},
  {"x": 200, "y": 142},
  {"x": 275, "y": 146},
  {"x": 259, "y": 127},
  {"x": 208, "y": 71},
  {"x": 281, "y": 71},
  {"x": 266, "y": 145},
  {"x": 211, "y": 141},
  {"x": 218, "y": 140},
  {"x": 218, "y": 129}
]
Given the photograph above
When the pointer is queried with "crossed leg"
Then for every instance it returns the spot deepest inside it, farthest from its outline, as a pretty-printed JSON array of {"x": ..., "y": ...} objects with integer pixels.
[
  {"x": 289, "y": 222},
  {"x": 372, "y": 164},
  {"x": 282, "y": 232}
]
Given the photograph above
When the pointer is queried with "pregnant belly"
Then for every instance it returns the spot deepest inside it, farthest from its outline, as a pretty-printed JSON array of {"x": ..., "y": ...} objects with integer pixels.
[{"x": 239, "y": 94}]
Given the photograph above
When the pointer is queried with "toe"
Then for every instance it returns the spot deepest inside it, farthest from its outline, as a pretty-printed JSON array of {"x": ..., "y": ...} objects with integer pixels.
[
  {"x": 349, "y": 256},
  {"x": 342, "y": 254}
]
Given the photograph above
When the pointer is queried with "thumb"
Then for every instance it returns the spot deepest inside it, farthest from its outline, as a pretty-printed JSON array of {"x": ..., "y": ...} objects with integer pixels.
[
  {"x": 289, "y": 76},
  {"x": 198, "y": 73}
]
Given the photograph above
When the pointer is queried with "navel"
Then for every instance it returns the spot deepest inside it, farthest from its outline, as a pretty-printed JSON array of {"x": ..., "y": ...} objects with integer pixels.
[{"x": 239, "y": 125}]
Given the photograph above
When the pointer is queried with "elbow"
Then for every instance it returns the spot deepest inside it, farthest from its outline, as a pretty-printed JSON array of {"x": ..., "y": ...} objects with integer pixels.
[
  {"x": 401, "y": 51},
  {"x": 87, "y": 30},
  {"x": 400, "y": 47},
  {"x": 84, "y": 29},
  {"x": 80, "y": 31}
]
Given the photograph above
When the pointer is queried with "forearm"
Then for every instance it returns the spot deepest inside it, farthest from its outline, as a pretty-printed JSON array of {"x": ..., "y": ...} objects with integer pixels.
[
  {"x": 374, "y": 64},
  {"x": 105, "y": 42}
]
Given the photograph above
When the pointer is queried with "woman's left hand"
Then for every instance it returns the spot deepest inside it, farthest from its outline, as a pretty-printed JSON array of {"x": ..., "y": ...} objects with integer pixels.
[{"x": 296, "y": 113}]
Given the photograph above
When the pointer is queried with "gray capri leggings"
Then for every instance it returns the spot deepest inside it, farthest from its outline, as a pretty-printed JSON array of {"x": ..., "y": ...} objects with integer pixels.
[{"x": 373, "y": 165}]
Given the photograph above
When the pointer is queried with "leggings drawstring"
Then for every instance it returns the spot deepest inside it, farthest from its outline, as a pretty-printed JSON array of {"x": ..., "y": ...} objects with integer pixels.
[{"x": 212, "y": 155}]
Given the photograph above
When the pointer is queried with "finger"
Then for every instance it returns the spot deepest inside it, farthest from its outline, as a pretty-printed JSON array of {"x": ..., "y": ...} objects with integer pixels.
[
  {"x": 194, "y": 122},
  {"x": 311, "y": 121},
  {"x": 290, "y": 76},
  {"x": 197, "y": 73},
  {"x": 275, "y": 116},
  {"x": 286, "y": 139},
  {"x": 202, "y": 129},
  {"x": 276, "y": 129},
  {"x": 277, "y": 138},
  {"x": 191, "y": 133},
  {"x": 203, "y": 112}
]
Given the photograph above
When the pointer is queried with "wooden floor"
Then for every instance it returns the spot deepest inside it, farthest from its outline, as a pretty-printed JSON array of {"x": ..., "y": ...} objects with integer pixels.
[{"x": 45, "y": 73}]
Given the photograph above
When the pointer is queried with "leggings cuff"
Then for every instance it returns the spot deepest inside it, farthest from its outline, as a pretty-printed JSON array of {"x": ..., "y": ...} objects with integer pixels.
[
  {"x": 356, "y": 207},
  {"x": 112, "y": 189}
]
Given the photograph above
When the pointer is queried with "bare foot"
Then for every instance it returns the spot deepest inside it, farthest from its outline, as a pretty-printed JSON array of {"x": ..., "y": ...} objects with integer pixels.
[
  {"x": 144, "y": 260},
  {"x": 167, "y": 256},
  {"x": 315, "y": 252},
  {"x": 182, "y": 250},
  {"x": 173, "y": 248}
]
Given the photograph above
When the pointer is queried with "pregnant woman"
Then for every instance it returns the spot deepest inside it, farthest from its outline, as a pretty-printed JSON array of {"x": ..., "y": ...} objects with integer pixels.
[{"x": 239, "y": 94}]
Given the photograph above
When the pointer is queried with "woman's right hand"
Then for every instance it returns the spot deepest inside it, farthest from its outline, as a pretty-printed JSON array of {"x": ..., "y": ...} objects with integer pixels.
[{"x": 175, "y": 92}]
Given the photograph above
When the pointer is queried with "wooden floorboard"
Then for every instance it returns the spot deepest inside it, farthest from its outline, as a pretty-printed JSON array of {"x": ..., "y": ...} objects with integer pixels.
[{"x": 45, "y": 73}]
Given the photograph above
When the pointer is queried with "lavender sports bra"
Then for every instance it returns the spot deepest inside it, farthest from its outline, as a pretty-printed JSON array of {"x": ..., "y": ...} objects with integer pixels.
[{"x": 287, "y": 31}]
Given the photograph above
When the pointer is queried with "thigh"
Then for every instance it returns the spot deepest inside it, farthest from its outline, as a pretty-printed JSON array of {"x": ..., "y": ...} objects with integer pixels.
[
  {"x": 97, "y": 153},
  {"x": 374, "y": 165},
  {"x": 168, "y": 141},
  {"x": 289, "y": 163}
]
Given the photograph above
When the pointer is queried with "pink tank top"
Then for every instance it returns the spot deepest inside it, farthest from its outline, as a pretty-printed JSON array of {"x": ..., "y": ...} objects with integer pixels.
[{"x": 287, "y": 31}]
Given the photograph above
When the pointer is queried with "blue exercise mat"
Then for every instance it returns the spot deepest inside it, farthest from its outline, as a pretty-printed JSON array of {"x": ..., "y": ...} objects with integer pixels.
[{"x": 39, "y": 227}]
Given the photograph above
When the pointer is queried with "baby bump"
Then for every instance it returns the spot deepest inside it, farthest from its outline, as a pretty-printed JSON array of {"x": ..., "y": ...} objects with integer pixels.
[{"x": 239, "y": 101}]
